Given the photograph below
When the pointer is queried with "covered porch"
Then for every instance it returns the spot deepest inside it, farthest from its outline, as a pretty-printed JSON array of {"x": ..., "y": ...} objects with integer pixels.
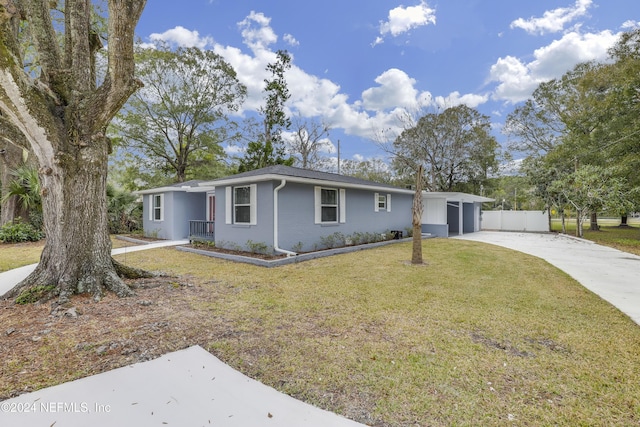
[{"x": 202, "y": 230}]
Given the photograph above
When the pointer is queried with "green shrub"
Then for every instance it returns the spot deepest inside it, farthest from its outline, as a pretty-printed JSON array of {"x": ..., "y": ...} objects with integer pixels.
[{"x": 18, "y": 231}]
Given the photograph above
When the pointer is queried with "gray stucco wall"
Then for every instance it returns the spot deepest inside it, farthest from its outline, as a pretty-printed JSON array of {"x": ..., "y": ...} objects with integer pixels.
[
  {"x": 296, "y": 211},
  {"x": 232, "y": 236},
  {"x": 179, "y": 208}
]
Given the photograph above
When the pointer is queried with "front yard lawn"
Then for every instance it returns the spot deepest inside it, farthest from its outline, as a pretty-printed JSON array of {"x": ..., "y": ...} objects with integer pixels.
[{"x": 480, "y": 336}]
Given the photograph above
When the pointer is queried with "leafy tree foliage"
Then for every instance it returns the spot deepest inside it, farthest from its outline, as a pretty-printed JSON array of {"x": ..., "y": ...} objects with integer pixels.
[
  {"x": 267, "y": 148},
  {"x": 124, "y": 211},
  {"x": 24, "y": 185},
  {"x": 175, "y": 124},
  {"x": 591, "y": 189},
  {"x": 454, "y": 147},
  {"x": 586, "y": 118},
  {"x": 374, "y": 170}
]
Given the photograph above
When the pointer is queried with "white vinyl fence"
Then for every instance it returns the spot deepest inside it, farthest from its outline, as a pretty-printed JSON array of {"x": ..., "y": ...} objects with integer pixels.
[{"x": 515, "y": 220}]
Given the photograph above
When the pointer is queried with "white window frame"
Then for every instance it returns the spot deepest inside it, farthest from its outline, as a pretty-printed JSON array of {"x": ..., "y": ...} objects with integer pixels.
[
  {"x": 230, "y": 204},
  {"x": 341, "y": 207},
  {"x": 381, "y": 202},
  {"x": 153, "y": 209}
]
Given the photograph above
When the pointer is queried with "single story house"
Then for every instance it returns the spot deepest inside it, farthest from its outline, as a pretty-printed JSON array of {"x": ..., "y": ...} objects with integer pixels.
[{"x": 291, "y": 210}]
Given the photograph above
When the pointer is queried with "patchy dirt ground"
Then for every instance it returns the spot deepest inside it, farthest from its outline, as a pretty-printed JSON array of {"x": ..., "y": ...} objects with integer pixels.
[{"x": 40, "y": 345}]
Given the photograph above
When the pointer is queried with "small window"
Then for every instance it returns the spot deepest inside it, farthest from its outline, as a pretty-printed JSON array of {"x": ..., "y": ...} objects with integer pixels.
[
  {"x": 242, "y": 205},
  {"x": 382, "y": 202},
  {"x": 329, "y": 205},
  {"x": 157, "y": 207}
]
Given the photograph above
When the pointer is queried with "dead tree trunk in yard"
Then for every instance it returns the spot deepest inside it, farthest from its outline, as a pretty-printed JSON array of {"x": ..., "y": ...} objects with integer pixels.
[{"x": 61, "y": 116}]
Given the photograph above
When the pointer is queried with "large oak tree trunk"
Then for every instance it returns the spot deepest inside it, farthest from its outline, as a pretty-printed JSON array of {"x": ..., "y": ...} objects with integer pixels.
[
  {"x": 62, "y": 118},
  {"x": 77, "y": 254}
]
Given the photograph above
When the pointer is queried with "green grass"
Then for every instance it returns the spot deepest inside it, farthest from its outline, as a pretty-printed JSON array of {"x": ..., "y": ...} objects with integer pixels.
[
  {"x": 480, "y": 336},
  {"x": 14, "y": 255},
  {"x": 626, "y": 239}
]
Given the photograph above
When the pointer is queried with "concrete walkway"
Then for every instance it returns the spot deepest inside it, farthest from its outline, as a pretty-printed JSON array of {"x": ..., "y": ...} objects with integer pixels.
[{"x": 612, "y": 274}]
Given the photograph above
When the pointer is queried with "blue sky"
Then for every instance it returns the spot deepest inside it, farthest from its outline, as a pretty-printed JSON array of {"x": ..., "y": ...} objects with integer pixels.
[{"x": 360, "y": 64}]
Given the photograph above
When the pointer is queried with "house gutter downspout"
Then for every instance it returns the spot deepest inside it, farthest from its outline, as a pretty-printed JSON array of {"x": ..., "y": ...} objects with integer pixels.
[{"x": 275, "y": 220}]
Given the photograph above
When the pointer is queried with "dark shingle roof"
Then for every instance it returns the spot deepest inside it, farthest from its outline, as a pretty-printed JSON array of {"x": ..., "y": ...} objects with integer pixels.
[{"x": 305, "y": 173}]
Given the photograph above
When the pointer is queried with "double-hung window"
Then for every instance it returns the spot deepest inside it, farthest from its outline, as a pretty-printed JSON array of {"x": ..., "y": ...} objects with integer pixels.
[
  {"x": 156, "y": 211},
  {"x": 330, "y": 205},
  {"x": 382, "y": 202},
  {"x": 241, "y": 205}
]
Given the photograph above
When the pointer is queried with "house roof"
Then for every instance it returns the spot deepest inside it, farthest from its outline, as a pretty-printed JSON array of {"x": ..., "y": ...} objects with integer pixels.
[
  {"x": 279, "y": 172},
  {"x": 455, "y": 197},
  {"x": 180, "y": 186}
]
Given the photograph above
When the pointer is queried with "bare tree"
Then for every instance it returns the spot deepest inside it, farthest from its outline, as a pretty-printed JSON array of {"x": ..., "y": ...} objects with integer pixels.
[
  {"x": 309, "y": 138},
  {"x": 60, "y": 112}
]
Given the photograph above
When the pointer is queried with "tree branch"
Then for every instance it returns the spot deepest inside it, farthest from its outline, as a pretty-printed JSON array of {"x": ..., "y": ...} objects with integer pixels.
[
  {"x": 46, "y": 42},
  {"x": 120, "y": 81}
]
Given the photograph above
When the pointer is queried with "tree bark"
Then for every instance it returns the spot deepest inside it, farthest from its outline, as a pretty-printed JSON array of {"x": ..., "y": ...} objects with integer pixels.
[
  {"x": 624, "y": 221},
  {"x": 10, "y": 158},
  {"x": 594, "y": 222},
  {"x": 416, "y": 252},
  {"x": 62, "y": 117}
]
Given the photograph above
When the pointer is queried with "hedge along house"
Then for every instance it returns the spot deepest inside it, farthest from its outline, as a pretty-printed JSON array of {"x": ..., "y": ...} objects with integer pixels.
[{"x": 291, "y": 210}]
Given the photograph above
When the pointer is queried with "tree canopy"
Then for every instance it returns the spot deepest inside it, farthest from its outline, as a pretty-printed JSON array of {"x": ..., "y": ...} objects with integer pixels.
[
  {"x": 267, "y": 147},
  {"x": 176, "y": 123},
  {"x": 455, "y": 148},
  {"x": 581, "y": 126}
]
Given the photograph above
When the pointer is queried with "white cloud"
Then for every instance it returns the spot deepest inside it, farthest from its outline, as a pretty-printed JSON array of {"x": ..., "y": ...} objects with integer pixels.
[
  {"x": 403, "y": 19},
  {"x": 393, "y": 94},
  {"x": 630, "y": 25},
  {"x": 517, "y": 79},
  {"x": 180, "y": 36},
  {"x": 396, "y": 89},
  {"x": 256, "y": 32},
  {"x": 471, "y": 100},
  {"x": 553, "y": 21},
  {"x": 291, "y": 41}
]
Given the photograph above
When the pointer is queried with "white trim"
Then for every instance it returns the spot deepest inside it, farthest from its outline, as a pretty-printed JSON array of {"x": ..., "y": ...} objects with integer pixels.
[
  {"x": 340, "y": 205},
  {"x": 152, "y": 216},
  {"x": 317, "y": 196},
  {"x": 376, "y": 202},
  {"x": 388, "y": 202},
  {"x": 253, "y": 207},
  {"x": 228, "y": 205}
]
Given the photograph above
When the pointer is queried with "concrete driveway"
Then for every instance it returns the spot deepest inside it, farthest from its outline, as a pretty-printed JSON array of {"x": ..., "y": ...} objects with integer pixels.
[{"x": 612, "y": 274}]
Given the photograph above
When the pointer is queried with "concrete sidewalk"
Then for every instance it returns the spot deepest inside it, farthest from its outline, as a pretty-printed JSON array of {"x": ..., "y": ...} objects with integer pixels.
[
  {"x": 612, "y": 274},
  {"x": 190, "y": 387}
]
